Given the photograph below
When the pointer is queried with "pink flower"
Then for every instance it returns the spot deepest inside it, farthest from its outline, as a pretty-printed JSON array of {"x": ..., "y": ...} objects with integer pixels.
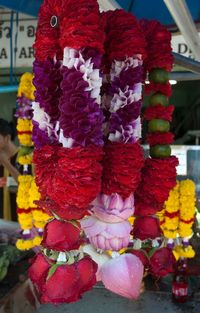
[
  {"x": 123, "y": 275},
  {"x": 106, "y": 236},
  {"x": 113, "y": 209}
]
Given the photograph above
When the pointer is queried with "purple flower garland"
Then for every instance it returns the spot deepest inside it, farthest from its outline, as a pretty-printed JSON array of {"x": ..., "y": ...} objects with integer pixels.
[
  {"x": 46, "y": 113},
  {"x": 80, "y": 115}
]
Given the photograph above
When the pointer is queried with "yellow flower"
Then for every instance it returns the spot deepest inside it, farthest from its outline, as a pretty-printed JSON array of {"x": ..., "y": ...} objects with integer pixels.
[
  {"x": 185, "y": 252},
  {"x": 176, "y": 255},
  {"x": 22, "y": 244},
  {"x": 187, "y": 187},
  {"x": 170, "y": 234},
  {"x": 171, "y": 223},
  {"x": 26, "y": 87},
  {"x": 185, "y": 230},
  {"x": 34, "y": 194},
  {"x": 25, "y": 159},
  {"x": 37, "y": 241},
  {"x": 25, "y": 140},
  {"x": 131, "y": 220},
  {"x": 181, "y": 199},
  {"x": 24, "y": 125},
  {"x": 25, "y": 220},
  {"x": 23, "y": 191}
]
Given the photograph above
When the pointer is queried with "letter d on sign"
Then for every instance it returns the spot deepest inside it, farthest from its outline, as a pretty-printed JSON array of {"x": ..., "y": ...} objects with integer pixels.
[{"x": 182, "y": 48}]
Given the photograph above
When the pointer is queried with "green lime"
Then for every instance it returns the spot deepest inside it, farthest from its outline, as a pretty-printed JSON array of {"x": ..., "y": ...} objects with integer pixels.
[
  {"x": 158, "y": 98},
  {"x": 157, "y": 125},
  {"x": 160, "y": 151},
  {"x": 158, "y": 75}
]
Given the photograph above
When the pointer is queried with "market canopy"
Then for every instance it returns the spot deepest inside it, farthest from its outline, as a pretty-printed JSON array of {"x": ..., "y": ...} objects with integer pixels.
[
  {"x": 142, "y": 9},
  {"x": 183, "y": 13}
]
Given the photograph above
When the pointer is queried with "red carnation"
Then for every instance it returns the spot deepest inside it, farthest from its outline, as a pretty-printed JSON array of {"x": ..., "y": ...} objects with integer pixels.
[
  {"x": 121, "y": 168},
  {"x": 61, "y": 236},
  {"x": 160, "y": 112},
  {"x": 47, "y": 37},
  {"x": 124, "y": 36},
  {"x": 159, "y": 49},
  {"x": 68, "y": 179},
  {"x": 45, "y": 160},
  {"x": 166, "y": 89},
  {"x": 160, "y": 138},
  {"x": 162, "y": 262},
  {"x": 158, "y": 178},
  {"x": 76, "y": 30},
  {"x": 146, "y": 227}
]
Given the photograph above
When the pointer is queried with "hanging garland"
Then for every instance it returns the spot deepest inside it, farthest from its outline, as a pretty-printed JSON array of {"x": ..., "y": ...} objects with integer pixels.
[
  {"x": 178, "y": 218},
  {"x": 159, "y": 171},
  {"x": 31, "y": 223},
  {"x": 109, "y": 228},
  {"x": 88, "y": 159},
  {"x": 68, "y": 145}
]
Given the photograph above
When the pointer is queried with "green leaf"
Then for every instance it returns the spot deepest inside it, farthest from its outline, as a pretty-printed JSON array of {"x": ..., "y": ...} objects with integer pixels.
[
  {"x": 3, "y": 272},
  {"x": 52, "y": 270},
  {"x": 151, "y": 252}
]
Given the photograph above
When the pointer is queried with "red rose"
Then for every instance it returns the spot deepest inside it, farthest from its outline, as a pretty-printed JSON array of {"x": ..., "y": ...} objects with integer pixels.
[
  {"x": 87, "y": 269},
  {"x": 147, "y": 206},
  {"x": 141, "y": 255},
  {"x": 146, "y": 227},
  {"x": 162, "y": 262},
  {"x": 69, "y": 282},
  {"x": 61, "y": 236},
  {"x": 38, "y": 271}
]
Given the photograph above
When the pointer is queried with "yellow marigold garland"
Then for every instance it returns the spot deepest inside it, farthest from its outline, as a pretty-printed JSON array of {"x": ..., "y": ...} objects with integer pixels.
[
  {"x": 177, "y": 218},
  {"x": 29, "y": 215},
  {"x": 170, "y": 218}
]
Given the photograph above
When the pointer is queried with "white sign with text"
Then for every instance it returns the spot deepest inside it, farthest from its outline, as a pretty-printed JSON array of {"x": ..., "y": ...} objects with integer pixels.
[{"x": 22, "y": 35}]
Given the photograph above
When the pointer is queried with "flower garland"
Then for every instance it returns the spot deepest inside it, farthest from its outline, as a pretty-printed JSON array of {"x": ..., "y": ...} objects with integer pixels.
[
  {"x": 88, "y": 158},
  {"x": 68, "y": 144},
  {"x": 29, "y": 220},
  {"x": 159, "y": 171},
  {"x": 109, "y": 228},
  {"x": 178, "y": 219}
]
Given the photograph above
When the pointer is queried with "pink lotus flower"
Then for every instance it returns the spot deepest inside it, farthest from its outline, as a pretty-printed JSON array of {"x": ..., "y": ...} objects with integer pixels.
[
  {"x": 113, "y": 209},
  {"x": 98, "y": 258},
  {"x": 106, "y": 236},
  {"x": 123, "y": 275}
]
